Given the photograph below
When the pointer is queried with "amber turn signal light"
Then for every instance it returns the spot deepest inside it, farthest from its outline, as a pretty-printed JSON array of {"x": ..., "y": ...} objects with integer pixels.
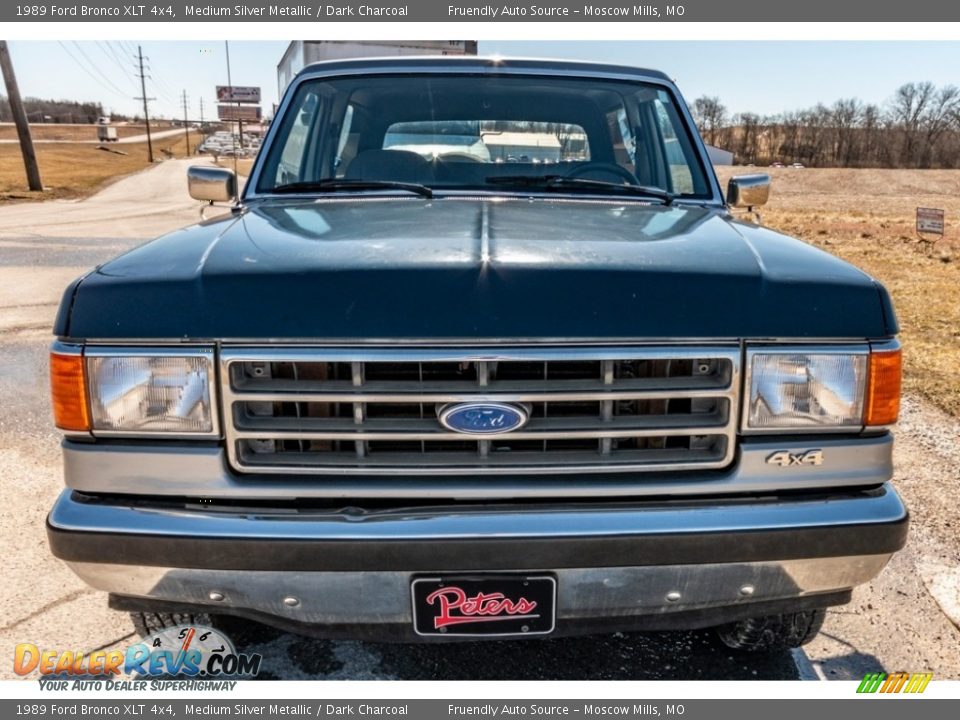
[
  {"x": 68, "y": 387},
  {"x": 883, "y": 389}
]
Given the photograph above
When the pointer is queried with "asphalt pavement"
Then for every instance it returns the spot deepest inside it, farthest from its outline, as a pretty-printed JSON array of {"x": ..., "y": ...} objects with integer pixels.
[{"x": 901, "y": 621}]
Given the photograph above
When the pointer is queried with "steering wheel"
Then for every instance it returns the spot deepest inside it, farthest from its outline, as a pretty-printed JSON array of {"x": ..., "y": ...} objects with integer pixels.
[{"x": 605, "y": 167}]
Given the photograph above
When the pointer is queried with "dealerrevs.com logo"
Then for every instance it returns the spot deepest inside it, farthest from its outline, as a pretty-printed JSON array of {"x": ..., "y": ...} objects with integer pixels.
[{"x": 192, "y": 651}]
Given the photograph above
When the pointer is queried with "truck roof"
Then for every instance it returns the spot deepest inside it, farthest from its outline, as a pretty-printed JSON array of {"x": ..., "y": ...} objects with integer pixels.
[{"x": 473, "y": 62}]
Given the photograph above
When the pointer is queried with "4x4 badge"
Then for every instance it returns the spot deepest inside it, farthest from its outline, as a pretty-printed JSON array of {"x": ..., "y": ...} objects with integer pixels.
[{"x": 784, "y": 458}]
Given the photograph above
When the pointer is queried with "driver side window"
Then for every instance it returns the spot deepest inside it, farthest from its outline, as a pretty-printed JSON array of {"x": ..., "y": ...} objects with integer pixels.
[
  {"x": 347, "y": 144},
  {"x": 294, "y": 157},
  {"x": 624, "y": 144},
  {"x": 677, "y": 163}
]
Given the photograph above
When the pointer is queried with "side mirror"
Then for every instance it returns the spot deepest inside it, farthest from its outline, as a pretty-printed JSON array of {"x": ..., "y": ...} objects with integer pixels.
[
  {"x": 211, "y": 184},
  {"x": 748, "y": 191}
]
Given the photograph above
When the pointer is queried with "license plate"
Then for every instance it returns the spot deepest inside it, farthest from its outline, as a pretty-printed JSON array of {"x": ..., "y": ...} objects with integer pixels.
[{"x": 491, "y": 605}]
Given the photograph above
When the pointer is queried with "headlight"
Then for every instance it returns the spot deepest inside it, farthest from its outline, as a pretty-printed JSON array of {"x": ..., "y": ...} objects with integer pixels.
[
  {"x": 806, "y": 390},
  {"x": 150, "y": 392}
]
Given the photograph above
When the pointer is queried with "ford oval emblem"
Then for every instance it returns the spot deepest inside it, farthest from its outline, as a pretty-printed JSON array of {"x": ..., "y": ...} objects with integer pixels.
[{"x": 483, "y": 418}]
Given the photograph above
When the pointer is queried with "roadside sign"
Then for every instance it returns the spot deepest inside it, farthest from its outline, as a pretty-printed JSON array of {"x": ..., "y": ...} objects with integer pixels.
[
  {"x": 246, "y": 113},
  {"x": 238, "y": 93},
  {"x": 930, "y": 220}
]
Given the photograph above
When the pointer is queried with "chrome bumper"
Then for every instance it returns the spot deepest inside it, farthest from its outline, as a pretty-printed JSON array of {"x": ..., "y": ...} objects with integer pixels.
[
  {"x": 615, "y": 561},
  {"x": 369, "y": 598},
  {"x": 172, "y": 469}
]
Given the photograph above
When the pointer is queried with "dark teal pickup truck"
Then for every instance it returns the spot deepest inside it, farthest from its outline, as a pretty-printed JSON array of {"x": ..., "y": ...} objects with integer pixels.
[{"x": 480, "y": 350}]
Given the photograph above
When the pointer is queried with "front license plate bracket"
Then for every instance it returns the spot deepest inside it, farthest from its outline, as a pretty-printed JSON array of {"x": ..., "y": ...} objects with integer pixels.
[{"x": 503, "y": 605}]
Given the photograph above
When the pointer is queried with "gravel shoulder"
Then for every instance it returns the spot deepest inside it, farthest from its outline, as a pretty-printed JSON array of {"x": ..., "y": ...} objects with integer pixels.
[{"x": 907, "y": 619}]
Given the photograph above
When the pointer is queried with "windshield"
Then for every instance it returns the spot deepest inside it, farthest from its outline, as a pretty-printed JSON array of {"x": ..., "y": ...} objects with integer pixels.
[{"x": 484, "y": 133}]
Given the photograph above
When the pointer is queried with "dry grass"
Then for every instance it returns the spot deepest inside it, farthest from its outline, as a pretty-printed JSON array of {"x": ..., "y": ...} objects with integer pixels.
[
  {"x": 71, "y": 170},
  {"x": 73, "y": 133},
  {"x": 867, "y": 217}
]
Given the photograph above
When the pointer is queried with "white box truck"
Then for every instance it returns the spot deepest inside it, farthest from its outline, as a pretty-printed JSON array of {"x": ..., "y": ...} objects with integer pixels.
[{"x": 301, "y": 53}]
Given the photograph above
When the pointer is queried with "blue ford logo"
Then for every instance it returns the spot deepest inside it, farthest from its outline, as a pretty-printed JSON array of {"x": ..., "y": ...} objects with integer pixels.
[{"x": 483, "y": 418}]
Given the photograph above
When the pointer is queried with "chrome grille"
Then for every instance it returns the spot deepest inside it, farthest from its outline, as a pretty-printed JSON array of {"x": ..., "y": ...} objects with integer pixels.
[{"x": 343, "y": 411}]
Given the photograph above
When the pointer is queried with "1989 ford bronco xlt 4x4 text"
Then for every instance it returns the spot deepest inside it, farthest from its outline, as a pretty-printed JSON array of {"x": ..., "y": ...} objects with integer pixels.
[{"x": 479, "y": 351}]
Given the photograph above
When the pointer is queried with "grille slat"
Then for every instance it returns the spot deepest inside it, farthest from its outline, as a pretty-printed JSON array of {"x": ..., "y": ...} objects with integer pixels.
[
  {"x": 666, "y": 387},
  {"x": 375, "y": 411},
  {"x": 406, "y": 429},
  {"x": 658, "y": 458}
]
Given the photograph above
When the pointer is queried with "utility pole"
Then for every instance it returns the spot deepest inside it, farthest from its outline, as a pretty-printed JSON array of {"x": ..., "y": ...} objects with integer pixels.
[
  {"x": 20, "y": 118},
  {"x": 239, "y": 121},
  {"x": 203, "y": 129},
  {"x": 186, "y": 125},
  {"x": 146, "y": 113},
  {"x": 226, "y": 44}
]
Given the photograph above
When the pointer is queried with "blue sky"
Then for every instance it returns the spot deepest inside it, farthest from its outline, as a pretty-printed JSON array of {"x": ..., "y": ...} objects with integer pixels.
[{"x": 762, "y": 77}]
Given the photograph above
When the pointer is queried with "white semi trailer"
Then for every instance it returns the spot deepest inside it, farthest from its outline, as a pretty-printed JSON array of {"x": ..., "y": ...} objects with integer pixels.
[{"x": 301, "y": 53}]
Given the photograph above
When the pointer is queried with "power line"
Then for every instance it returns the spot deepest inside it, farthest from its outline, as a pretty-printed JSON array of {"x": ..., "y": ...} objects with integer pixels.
[
  {"x": 111, "y": 54},
  {"x": 170, "y": 96},
  {"x": 96, "y": 67},
  {"x": 160, "y": 85},
  {"x": 87, "y": 71},
  {"x": 160, "y": 79}
]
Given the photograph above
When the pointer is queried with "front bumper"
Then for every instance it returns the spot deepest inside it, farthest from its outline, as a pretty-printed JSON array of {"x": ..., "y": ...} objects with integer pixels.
[{"x": 617, "y": 565}]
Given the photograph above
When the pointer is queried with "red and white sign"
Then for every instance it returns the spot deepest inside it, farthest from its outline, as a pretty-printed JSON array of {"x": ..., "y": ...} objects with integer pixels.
[
  {"x": 930, "y": 221},
  {"x": 238, "y": 93}
]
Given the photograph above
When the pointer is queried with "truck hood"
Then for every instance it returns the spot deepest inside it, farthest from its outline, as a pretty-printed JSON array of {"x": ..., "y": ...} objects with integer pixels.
[{"x": 475, "y": 268}]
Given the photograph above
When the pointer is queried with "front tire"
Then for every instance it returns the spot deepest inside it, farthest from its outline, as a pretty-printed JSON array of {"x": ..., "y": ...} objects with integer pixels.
[{"x": 773, "y": 632}]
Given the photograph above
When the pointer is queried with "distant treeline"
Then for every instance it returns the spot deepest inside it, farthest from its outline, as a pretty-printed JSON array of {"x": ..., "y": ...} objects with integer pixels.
[
  {"x": 919, "y": 127},
  {"x": 40, "y": 110}
]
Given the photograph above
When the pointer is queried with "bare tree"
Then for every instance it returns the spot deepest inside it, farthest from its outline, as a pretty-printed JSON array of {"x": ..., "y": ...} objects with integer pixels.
[
  {"x": 939, "y": 117},
  {"x": 907, "y": 110},
  {"x": 918, "y": 127},
  {"x": 845, "y": 115},
  {"x": 711, "y": 116}
]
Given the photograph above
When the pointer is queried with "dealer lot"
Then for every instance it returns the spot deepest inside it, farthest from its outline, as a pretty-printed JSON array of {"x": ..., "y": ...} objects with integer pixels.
[{"x": 900, "y": 621}]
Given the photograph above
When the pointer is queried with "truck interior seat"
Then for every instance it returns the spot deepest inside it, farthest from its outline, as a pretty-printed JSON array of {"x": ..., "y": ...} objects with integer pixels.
[{"x": 396, "y": 165}]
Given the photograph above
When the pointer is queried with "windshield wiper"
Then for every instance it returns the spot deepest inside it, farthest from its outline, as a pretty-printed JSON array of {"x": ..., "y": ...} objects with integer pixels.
[
  {"x": 338, "y": 184},
  {"x": 565, "y": 182}
]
